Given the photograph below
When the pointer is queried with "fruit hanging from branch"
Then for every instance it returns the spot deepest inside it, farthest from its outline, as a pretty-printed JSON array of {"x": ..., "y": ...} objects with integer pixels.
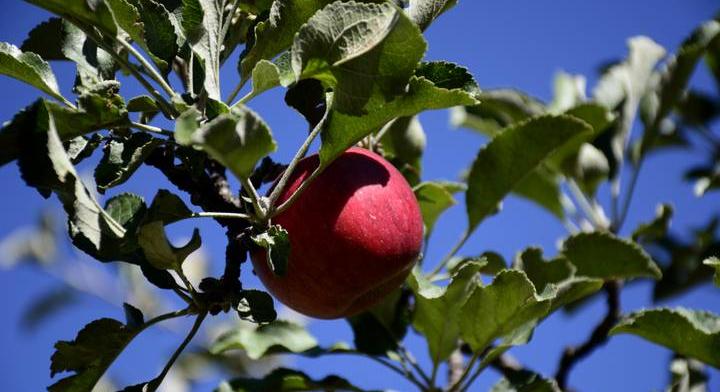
[{"x": 355, "y": 234}]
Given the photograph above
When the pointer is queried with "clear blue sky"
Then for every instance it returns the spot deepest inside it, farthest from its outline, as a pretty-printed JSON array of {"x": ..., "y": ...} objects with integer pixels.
[{"x": 518, "y": 44}]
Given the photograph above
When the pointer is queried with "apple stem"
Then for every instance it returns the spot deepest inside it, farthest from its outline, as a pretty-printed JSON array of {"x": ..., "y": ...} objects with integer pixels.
[{"x": 275, "y": 194}]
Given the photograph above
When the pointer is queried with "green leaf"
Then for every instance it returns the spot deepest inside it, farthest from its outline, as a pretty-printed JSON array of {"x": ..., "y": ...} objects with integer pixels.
[
  {"x": 499, "y": 167},
  {"x": 82, "y": 12},
  {"x": 542, "y": 188},
  {"x": 342, "y": 130},
  {"x": 657, "y": 228},
  {"x": 93, "y": 63},
  {"x": 525, "y": 381},
  {"x": 274, "y": 35},
  {"x": 286, "y": 380},
  {"x": 159, "y": 33},
  {"x": 423, "y": 12},
  {"x": 448, "y": 75},
  {"x": 89, "y": 355},
  {"x": 45, "y": 39},
  {"x": 542, "y": 272},
  {"x": 96, "y": 111},
  {"x": 501, "y": 308},
  {"x": 276, "y": 241},
  {"x": 265, "y": 76},
  {"x": 158, "y": 250},
  {"x": 569, "y": 91},
  {"x": 238, "y": 140},
  {"x": 30, "y": 68},
  {"x": 360, "y": 51},
  {"x": 142, "y": 103},
  {"x": 202, "y": 23},
  {"x": 691, "y": 333},
  {"x": 497, "y": 109},
  {"x": 678, "y": 72},
  {"x": 623, "y": 86},
  {"x": 256, "y": 306},
  {"x": 715, "y": 263},
  {"x": 262, "y": 340},
  {"x": 168, "y": 208},
  {"x": 437, "y": 310},
  {"x": 434, "y": 199},
  {"x": 556, "y": 276},
  {"x": 122, "y": 158},
  {"x": 603, "y": 255}
]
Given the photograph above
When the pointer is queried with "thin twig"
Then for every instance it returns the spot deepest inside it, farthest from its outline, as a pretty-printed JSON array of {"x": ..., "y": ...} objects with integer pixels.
[
  {"x": 598, "y": 337},
  {"x": 155, "y": 383},
  {"x": 506, "y": 365},
  {"x": 466, "y": 371},
  {"x": 463, "y": 239},
  {"x": 235, "y": 92},
  {"x": 590, "y": 210}
]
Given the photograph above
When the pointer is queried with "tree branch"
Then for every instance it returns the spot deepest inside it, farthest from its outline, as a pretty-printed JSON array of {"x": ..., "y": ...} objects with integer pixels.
[
  {"x": 208, "y": 190},
  {"x": 599, "y": 336}
]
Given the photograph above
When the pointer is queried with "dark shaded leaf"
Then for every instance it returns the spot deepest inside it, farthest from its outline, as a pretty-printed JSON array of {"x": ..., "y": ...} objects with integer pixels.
[
  {"x": 45, "y": 40},
  {"x": 257, "y": 307},
  {"x": 285, "y": 380},
  {"x": 89, "y": 355},
  {"x": 121, "y": 158}
]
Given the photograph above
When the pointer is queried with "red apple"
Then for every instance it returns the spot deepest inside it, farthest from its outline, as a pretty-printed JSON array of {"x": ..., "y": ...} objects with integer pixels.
[{"x": 355, "y": 234}]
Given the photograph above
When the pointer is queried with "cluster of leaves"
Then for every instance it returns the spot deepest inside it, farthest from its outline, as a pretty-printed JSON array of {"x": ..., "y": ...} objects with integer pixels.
[{"x": 354, "y": 70}]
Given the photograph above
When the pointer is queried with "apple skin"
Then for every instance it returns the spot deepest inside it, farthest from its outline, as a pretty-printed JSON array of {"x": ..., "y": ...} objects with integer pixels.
[{"x": 355, "y": 234}]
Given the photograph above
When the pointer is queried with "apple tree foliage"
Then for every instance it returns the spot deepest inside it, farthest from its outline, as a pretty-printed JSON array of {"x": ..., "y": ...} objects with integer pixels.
[{"x": 356, "y": 72}]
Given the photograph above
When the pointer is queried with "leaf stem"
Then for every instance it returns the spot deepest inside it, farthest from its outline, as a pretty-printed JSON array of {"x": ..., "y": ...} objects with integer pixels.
[
  {"x": 154, "y": 74},
  {"x": 166, "y": 316},
  {"x": 151, "y": 129},
  {"x": 235, "y": 92},
  {"x": 454, "y": 387},
  {"x": 223, "y": 215},
  {"x": 280, "y": 186},
  {"x": 405, "y": 373},
  {"x": 620, "y": 220},
  {"x": 155, "y": 383},
  {"x": 463, "y": 238},
  {"x": 590, "y": 209},
  {"x": 227, "y": 23},
  {"x": 185, "y": 281}
]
